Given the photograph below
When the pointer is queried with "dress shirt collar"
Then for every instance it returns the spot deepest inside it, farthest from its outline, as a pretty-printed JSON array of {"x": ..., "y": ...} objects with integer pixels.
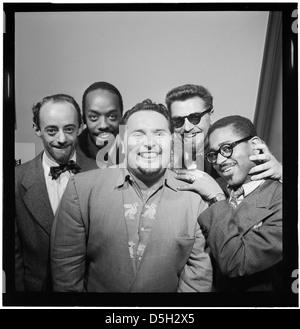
[
  {"x": 166, "y": 179},
  {"x": 250, "y": 186}
]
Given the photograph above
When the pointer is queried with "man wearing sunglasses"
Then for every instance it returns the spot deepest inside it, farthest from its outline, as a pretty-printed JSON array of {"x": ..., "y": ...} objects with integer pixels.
[
  {"x": 191, "y": 107},
  {"x": 244, "y": 232}
]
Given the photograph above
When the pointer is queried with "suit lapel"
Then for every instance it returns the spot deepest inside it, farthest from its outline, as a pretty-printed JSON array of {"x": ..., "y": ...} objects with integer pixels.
[
  {"x": 36, "y": 197},
  {"x": 256, "y": 206}
]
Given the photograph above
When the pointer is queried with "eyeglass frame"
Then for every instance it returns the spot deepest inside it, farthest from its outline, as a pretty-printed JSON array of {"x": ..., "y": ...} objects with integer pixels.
[
  {"x": 201, "y": 114},
  {"x": 230, "y": 146}
]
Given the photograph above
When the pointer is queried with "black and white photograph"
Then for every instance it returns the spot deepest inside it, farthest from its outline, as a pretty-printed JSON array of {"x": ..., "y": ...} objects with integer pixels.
[{"x": 147, "y": 144}]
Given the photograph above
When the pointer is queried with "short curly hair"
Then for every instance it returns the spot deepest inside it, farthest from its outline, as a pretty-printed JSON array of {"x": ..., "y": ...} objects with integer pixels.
[
  {"x": 148, "y": 105},
  {"x": 241, "y": 125},
  {"x": 101, "y": 85}
]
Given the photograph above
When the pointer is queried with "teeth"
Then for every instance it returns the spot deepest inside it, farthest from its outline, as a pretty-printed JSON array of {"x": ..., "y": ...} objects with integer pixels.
[
  {"x": 103, "y": 135},
  {"x": 149, "y": 155},
  {"x": 227, "y": 168},
  {"x": 190, "y": 135}
]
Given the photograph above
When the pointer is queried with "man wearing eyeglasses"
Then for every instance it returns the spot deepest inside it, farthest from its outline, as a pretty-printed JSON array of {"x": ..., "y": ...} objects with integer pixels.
[
  {"x": 244, "y": 232},
  {"x": 191, "y": 107}
]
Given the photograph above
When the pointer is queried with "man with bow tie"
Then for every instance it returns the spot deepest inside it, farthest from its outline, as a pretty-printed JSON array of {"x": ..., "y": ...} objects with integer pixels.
[{"x": 40, "y": 184}]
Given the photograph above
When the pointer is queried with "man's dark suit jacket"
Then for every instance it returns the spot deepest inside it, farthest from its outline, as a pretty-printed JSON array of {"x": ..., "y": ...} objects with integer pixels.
[
  {"x": 33, "y": 222},
  {"x": 246, "y": 242}
]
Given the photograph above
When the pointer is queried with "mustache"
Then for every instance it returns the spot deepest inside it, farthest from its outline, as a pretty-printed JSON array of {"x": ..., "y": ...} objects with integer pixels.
[
  {"x": 108, "y": 130},
  {"x": 226, "y": 164}
]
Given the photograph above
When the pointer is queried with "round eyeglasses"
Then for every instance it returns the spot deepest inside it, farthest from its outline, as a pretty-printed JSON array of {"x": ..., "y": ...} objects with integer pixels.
[
  {"x": 193, "y": 118},
  {"x": 225, "y": 150}
]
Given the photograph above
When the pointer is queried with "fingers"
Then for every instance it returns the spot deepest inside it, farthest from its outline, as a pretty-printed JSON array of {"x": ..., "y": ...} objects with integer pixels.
[
  {"x": 262, "y": 147},
  {"x": 186, "y": 188},
  {"x": 262, "y": 175},
  {"x": 265, "y": 157},
  {"x": 186, "y": 178}
]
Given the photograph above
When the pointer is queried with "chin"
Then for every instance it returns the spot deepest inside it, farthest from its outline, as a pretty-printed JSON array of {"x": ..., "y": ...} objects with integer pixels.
[
  {"x": 149, "y": 172},
  {"x": 62, "y": 158}
]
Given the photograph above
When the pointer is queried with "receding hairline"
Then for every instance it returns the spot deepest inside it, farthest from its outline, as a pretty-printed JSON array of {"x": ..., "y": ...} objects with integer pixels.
[{"x": 58, "y": 101}]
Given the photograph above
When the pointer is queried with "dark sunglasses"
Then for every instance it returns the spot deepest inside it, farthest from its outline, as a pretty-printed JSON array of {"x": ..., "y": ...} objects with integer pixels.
[
  {"x": 225, "y": 150},
  {"x": 193, "y": 118}
]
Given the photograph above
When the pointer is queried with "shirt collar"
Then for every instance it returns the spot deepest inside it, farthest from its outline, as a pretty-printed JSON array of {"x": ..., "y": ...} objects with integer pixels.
[
  {"x": 167, "y": 180},
  {"x": 249, "y": 186}
]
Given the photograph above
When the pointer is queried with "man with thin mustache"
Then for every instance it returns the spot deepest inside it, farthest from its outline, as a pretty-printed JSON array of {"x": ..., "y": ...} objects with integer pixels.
[
  {"x": 244, "y": 232},
  {"x": 39, "y": 186}
]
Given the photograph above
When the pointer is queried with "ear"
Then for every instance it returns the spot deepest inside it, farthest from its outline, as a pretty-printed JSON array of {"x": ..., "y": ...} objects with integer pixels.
[
  {"x": 37, "y": 130},
  {"x": 255, "y": 141},
  {"x": 80, "y": 129}
]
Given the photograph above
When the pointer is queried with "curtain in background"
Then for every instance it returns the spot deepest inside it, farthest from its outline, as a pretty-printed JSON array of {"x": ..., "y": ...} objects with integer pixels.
[{"x": 268, "y": 111}]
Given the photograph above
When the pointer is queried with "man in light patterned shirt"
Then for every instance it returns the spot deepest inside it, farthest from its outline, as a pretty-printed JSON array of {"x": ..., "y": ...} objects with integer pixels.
[{"x": 129, "y": 229}]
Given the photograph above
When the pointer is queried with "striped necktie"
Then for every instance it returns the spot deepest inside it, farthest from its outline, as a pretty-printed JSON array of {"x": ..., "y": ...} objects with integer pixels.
[{"x": 234, "y": 195}]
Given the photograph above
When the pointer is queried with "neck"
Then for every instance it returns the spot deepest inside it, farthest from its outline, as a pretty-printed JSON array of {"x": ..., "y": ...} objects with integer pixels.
[
  {"x": 147, "y": 182},
  {"x": 235, "y": 187}
]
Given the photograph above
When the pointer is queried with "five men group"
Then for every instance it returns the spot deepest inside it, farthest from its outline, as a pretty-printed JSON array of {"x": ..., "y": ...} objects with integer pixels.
[{"x": 139, "y": 227}]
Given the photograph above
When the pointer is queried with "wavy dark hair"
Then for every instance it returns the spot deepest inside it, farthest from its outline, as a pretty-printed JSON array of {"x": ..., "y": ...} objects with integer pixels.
[
  {"x": 185, "y": 92},
  {"x": 241, "y": 125}
]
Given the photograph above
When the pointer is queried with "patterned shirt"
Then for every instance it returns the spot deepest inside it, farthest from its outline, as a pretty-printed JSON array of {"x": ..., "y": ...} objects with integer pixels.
[{"x": 140, "y": 206}]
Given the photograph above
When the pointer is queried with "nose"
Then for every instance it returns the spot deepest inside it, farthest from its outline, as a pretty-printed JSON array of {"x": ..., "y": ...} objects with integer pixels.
[
  {"x": 220, "y": 159},
  {"x": 102, "y": 123},
  {"x": 149, "y": 141},
  {"x": 187, "y": 126},
  {"x": 61, "y": 137}
]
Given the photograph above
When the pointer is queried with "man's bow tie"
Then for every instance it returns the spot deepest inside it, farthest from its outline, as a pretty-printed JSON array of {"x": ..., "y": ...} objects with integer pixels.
[{"x": 71, "y": 166}]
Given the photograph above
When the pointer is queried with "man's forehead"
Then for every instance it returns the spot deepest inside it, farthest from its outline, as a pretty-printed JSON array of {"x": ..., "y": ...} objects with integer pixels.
[
  {"x": 147, "y": 118},
  {"x": 58, "y": 104},
  {"x": 193, "y": 104},
  {"x": 57, "y": 109},
  {"x": 223, "y": 135}
]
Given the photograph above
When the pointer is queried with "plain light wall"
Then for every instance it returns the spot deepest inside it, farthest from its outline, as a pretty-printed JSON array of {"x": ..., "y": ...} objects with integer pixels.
[{"x": 144, "y": 54}]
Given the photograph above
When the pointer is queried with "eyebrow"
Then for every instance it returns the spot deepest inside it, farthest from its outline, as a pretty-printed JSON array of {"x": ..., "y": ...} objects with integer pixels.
[
  {"x": 97, "y": 112},
  {"x": 53, "y": 126},
  {"x": 154, "y": 131},
  {"x": 220, "y": 145}
]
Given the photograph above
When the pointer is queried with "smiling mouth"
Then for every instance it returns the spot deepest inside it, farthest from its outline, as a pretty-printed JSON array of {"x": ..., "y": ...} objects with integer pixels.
[
  {"x": 191, "y": 135},
  {"x": 61, "y": 147},
  {"x": 104, "y": 135},
  {"x": 226, "y": 168},
  {"x": 148, "y": 155}
]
